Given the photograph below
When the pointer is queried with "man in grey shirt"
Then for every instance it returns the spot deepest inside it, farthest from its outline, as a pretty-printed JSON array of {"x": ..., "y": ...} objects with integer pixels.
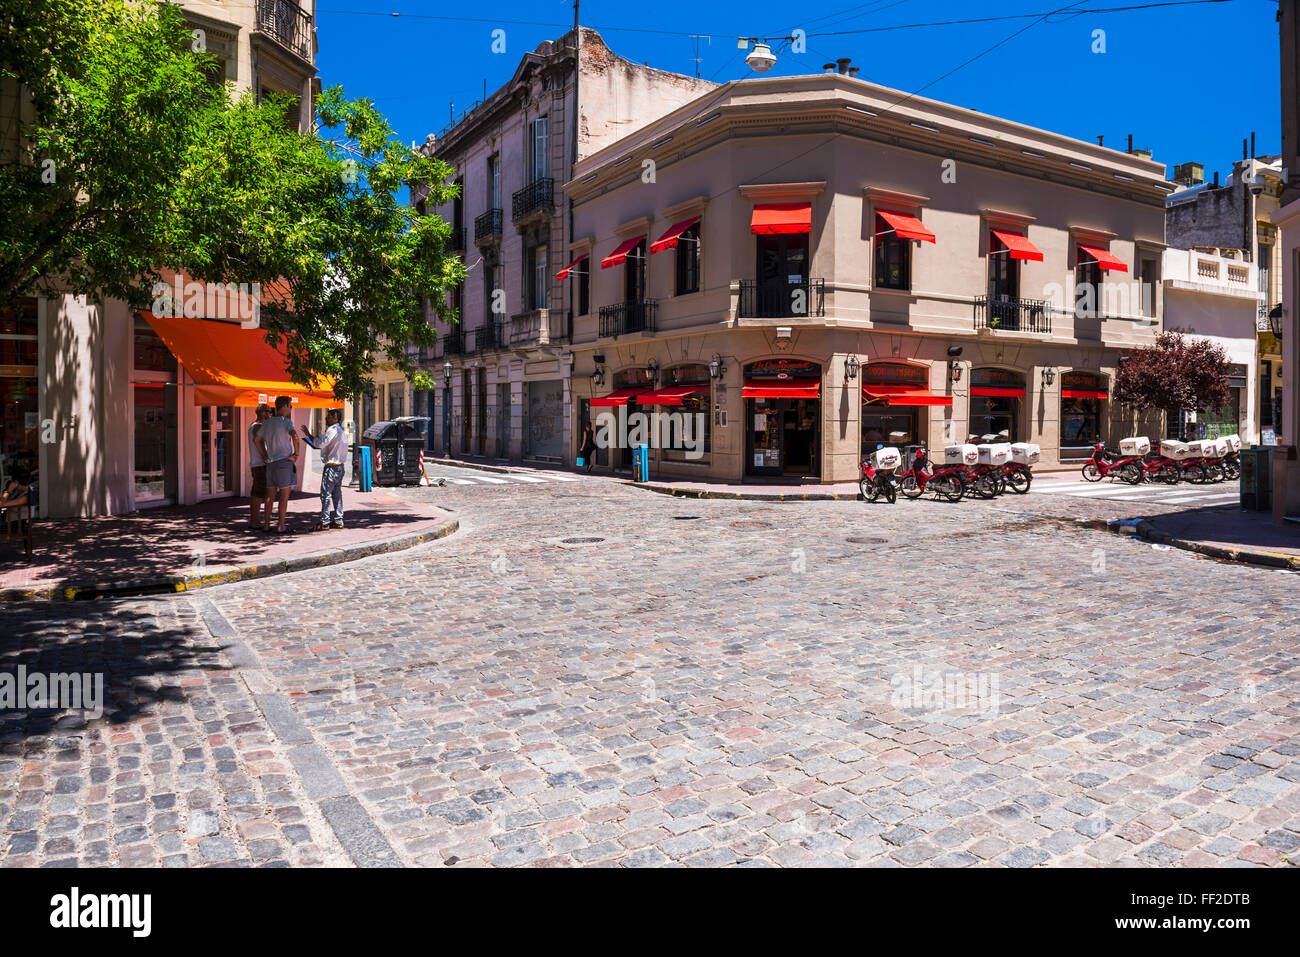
[{"x": 278, "y": 443}]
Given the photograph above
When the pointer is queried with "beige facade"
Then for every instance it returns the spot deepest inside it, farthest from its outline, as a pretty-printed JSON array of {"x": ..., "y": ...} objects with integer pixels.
[
  {"x": 855, "y": 154},
  {"x": 115, "y": 426},
  {"x": 504, "y": 369}
]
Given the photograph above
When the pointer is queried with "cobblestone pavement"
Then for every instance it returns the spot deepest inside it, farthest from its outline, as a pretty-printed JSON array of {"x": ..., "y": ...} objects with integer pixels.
[{"x": 713, "y": 683}]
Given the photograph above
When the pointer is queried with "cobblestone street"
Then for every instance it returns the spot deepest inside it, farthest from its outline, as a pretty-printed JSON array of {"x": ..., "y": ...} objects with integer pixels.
[{"x": 588, "y": 673}]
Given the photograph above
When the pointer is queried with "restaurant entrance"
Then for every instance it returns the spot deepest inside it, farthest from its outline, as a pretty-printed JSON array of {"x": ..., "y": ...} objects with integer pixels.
[{"x": 783, "y": 416}]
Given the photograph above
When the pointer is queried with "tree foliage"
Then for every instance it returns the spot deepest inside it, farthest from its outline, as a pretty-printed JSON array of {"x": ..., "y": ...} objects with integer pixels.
[
  {"x": 125, "y": 159},
  {"x": 1176, "y": 373}
]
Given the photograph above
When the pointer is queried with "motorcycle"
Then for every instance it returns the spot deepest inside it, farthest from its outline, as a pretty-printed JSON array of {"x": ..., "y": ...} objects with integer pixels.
[
  {"x": 945, "y": 481},
  {"x": 1102, "y": 465},
  {"x": 878, "y": 476}
]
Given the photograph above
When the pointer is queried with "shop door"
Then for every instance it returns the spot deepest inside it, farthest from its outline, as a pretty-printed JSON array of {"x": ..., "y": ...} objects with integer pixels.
[
  {"x": 783, "y": 437},
  {"x": 466, "y": 411},
  {"x": 217, "y": 474},
  {"x": 503, "y": 420},
  {"x": 156, "y": 472},
  {"x": 446, "y": 422},
  {"x": 480, "y": 410}
]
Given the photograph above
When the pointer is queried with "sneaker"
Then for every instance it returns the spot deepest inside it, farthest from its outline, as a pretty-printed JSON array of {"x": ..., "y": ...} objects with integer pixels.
[
  {"x": 319, "y": 526},
  {"x": 337, "y": 523}
]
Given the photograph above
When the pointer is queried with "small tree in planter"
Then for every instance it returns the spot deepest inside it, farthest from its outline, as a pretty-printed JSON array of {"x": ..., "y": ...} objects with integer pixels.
[{"x": 1176, "y": 374}]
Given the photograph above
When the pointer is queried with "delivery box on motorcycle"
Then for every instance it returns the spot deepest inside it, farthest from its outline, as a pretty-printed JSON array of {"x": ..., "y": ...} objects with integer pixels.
[
  {"x": 886, "y": 459},
  {"x": 1221, "y": 448},
  {"x": 997, "y": 453},
  {"x": 1203, "y": 449},
  {"x": 1025, "y": 453},
  {"x": 1173, "y": 449},
  {"x": 960, "y": 455},
  {"x": 1234, "y": 442},
  {"x": 1135, "y": 445}
]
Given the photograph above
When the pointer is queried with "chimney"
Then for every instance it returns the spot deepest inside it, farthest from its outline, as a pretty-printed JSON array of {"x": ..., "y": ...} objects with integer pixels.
[
  {"x": 1216, "y": 179},
  {"x": 853, "y": 71},
  {"x": 1252, "y": 144},
  {"x": 1100, "y": 137},
  {"x": 828, "y": 67},
  {"x": 844, "y": 63},
  {"x": 1245, "y": 154},
  {"x": 1130, "y": 142}
]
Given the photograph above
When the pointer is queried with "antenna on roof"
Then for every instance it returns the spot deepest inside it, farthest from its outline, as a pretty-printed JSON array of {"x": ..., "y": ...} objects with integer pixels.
[{"x": 697, "y": 59}]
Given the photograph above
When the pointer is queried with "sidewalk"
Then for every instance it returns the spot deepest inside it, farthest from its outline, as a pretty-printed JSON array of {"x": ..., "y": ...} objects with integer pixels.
[
  {"x": 1238, "y": 536},
  {"x": 185, "y": 547}
]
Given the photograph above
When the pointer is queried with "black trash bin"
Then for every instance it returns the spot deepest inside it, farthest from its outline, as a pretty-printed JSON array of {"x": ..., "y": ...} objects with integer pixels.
[
  {"x": 409, "y": 443},
  {"x": 382, "y": 440}
]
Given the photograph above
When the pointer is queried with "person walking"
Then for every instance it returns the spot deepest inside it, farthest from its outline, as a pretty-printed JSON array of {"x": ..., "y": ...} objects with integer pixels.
[
  {"x": 333, "y": 448},
  {"x": 278, "y": 443},
  {"x": 257, "y": 498},
  {"x": 587, "y": 446}
]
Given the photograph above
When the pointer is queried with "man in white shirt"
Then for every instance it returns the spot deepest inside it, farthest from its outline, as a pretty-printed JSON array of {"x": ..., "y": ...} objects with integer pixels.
[
  {"x": 257, "y": 463},
  {"x": 278, "y": 443},
  {"x": 333, "y": 448}
]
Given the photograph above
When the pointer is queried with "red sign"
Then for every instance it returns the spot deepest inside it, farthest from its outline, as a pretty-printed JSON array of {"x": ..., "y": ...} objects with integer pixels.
[{"x": 895, "y": 373}]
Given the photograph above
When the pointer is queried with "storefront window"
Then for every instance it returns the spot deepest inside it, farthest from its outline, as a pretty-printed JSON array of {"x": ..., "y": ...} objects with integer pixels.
[
  {"x": 19, "y": 411},
  {"x": 1082, "y": 395},
  {"x": 995, "y": 400},
  {"x": 688, "y": 436},
  {"x": 885, "y": 419}
]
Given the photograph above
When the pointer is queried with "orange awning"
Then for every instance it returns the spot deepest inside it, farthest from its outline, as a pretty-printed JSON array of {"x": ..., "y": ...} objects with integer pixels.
[
  {"x": 620, "y": 397},
  {"x": 1018, "y": 245},
  {"x": 619, "y": 255},
  {"x": 781, "y": 219},
  {"x": 1104, "y": 259},
  {"x": 905, "y": 395},
  {"x": 669, "y": 239},
  {"x": 782, "y": 388},
  {"x": 906, "y": 226},
  {"x": 235, "y": 366},
  {"x": 563, "y": 274},
  {"x": 672, "y": 395}
]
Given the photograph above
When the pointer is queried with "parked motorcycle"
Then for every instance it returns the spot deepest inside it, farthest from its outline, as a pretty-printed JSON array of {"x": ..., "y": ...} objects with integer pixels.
[
  {"x": 878, "y": 475},
  {"x": 921, "y": 476},
  {"x": 1105, "y": 461}
]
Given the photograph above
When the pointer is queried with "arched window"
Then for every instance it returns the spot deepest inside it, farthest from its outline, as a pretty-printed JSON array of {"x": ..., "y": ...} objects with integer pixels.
[
  {"x": 684, "y": 398},
  {"x": 1082, "y": 395},
  {"x": 995, "y": 399}
]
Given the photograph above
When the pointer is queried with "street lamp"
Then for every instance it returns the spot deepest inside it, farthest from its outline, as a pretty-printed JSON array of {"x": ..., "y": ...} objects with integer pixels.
[
  {"x": 851, "y": 367},
  {"x": 1275, "y": 320},
  {"x": 1049, "y": 376},
  {"x": 715, "y": 366},
  {"x": 446, "y": 375}
]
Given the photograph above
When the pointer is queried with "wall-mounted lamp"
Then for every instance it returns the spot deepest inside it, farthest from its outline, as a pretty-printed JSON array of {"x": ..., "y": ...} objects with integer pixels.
[
  {"x": 598, "y": 377},
  {"x": 1049, "y": 376},
  {"x": 446, "y": 375},
  {"x": 715, "y": 366},
  {"x": 954, "y": 370},
  {"x": 851, "y": 367},
  {"x": 652, "y": 367}
]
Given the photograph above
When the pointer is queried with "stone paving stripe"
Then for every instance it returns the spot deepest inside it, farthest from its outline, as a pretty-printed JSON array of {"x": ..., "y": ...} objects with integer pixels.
[
  {"x": 358, "y": 834},
  {"x": 284, "y": 721},
  {"x": 318, "y": 774},
  {"x": 214, "y": 619},
  {"x": 492, "y": 481}
]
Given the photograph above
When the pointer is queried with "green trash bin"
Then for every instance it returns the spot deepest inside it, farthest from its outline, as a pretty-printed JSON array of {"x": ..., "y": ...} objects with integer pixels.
[{"x": 1257, "y": 478}]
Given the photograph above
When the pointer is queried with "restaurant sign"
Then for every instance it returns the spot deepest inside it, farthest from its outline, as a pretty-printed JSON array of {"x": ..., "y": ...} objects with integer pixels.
[
  {"x": 895, "y": 373},
  {"x": 783, "y": 369}
]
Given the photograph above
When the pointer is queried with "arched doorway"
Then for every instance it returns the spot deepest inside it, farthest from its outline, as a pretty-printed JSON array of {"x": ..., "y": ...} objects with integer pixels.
[
  {"x": 1083, "y": 397},
  {"x": 895, "y": 396},
  {"x": 783, "y": 415},
  {"x": 996, "y": 397}
]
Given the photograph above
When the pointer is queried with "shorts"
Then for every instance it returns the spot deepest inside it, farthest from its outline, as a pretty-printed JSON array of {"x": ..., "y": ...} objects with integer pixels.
[
  {"x": 259, "y": 482},
  {"x": 281, "y": 474}
]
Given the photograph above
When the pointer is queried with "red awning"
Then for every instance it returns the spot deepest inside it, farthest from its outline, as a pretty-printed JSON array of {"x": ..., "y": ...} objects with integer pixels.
[
  {"x": 563, "y": 274},
  {"x": 670, "y": 396},
  {"x": 1019, "y": 246},
  {"x": 619, "y": 256},
  {"x": 905, "y": 395},
  {"x": 669, "y": 239},
  {"x": 782, "y": 388},
  {"x": 993, "y": 392},
  {"x": 908, "y": 227},
  {"x": 619, "y": 397},
  {"x": 1104, "y": 259},
  {"x": 781, "y": 219},
  {"x": 1083, "y": 394}
]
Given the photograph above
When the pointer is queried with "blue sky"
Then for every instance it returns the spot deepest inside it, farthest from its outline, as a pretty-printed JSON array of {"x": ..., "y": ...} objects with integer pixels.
[{"x": 1189, "y": 82}]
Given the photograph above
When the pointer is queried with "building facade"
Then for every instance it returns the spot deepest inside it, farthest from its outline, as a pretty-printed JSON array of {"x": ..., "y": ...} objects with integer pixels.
[
  {"x": 1286, "y": 461},
  {"x": 504, "y": 369},
  {"x": 94, "y": 398},
  {"x": 820, "y": 264}
]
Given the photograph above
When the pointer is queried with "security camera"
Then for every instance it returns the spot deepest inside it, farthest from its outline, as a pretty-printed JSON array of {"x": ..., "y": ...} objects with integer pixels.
[{"x": 1256, "y": 184}]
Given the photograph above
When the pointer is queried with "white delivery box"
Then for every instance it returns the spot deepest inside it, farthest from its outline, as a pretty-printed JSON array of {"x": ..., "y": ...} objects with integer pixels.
[
  {"x": 1221, "y": 448},
  {"x": 1136, "y": 445},
  {"x": 998, "y": 453},
  {"x": 886, "y": 459},
  {"x": 961, "y": 455},
  {"x": 1234, "y": 442},
  {"x": 1025, "y": 453},
  {"x": 1173, "y": 449},
  {"x": 1204, "y": 449}
]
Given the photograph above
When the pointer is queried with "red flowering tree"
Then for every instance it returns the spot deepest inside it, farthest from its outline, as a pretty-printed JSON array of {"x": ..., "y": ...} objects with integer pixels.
[{"x": 1175, "y": 374}]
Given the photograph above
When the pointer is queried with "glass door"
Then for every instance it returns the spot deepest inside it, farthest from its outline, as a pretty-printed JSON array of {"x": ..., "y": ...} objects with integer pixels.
[
  {"x": 766, "y": 425},
  {"x": 782, "y": 267},
  {"x": 217, "y": 451},
  {"x": 155, "y": 473}
]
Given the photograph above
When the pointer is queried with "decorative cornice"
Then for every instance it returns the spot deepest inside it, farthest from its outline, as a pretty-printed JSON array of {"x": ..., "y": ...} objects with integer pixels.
[
  {"x": 1084, "y": 233},
  {"x": 779, "y": 192},
  {"x": 880, "y": 196},
  {"x": 1000, "y": 217},
  {"x": 696, "y": 204},
  {"x": 634, "y": 226}
]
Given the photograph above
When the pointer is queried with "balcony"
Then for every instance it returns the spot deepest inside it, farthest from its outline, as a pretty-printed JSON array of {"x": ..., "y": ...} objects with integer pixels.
[
  {"x": 1013, "y": 315},
  {"x": 489, "y": 336},
  {"x": 456, "y": 242},
  {"x": 537, "y": 197},
  {"x": 781, "y": 300},
  {"x": 627, "y": 317},
  {"x": 487, "y": 228},
  {"x": 453, "y": 342},
  {"x": 288, "y": 24},
  {"x": 540, "y": 327}
]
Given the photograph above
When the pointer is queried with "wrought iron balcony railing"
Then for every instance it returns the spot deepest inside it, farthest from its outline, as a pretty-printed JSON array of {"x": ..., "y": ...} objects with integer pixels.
[
  {"x": 453, "y": 342},
  {"x": 782, "y": 300},
  {"x": 539, "y": 194},
  {"x": 1013, "y": 315},
  {"x": 456, "y": 242},
  {"x": 487, "y": 226},
  {"x": 488, "y": 336},
  {"x": 288, "y": 23},
  {"x": 625, "y": 317}
]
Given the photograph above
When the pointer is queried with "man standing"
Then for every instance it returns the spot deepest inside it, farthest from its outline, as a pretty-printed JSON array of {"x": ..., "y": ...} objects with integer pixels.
[
  {"x": 333, "y": 447},
  {"x": 278, "y": 443},
  {"x": 257, "y": 497}
]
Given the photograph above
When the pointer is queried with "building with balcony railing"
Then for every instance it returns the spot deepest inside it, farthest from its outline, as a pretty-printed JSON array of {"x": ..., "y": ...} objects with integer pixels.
[{"x": 812, "y": 298}]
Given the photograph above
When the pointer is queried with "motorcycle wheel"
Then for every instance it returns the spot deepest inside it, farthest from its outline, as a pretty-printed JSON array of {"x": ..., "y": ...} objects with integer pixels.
[
  {"x": 1215, "y": 473},
  {"x": 907, "y": 485},
  {"x": 1132, "y": 474},
  {"x": 1091, "y": 473},
  {"x": 891, "y": 496},
  {"x": 1018, "y": 481},
  {"x": 1168, "y": 474},
  {"x": 986, "y": 486},
  {"x": 1195, "y": 474},
  {"x": 870, "y": 491},
  {"x": 948, "y": 487},
  {"x": 1232, "y": 471}
]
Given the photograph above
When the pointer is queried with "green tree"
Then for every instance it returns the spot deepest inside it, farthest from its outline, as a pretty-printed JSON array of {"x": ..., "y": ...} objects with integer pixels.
[{"x": 125, "y": 159}]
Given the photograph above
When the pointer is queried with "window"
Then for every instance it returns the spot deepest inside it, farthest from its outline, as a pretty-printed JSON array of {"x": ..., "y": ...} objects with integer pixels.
[
  {"x": 634, "y": 274},
  {"x": 494, "y": 299},
  {"x": 1087, "y": 286},
  {"x": 1004, "y": 273},
  {"x": 688, "y": 261},
  {"x": 893, "y": 257},
  {"x": 396, "y": 400},
  {"x": 494, "y": 182},
  {"x": 538, "y": 148},
  {"x": 580, "y": 288},
  {"x": 1081, "y": 398},
  {"x": 538, "y": 280},
  {"x": 1148, "y": 279}
]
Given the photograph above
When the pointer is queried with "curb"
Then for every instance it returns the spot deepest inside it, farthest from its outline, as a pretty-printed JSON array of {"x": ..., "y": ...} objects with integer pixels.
[
  {"x": 171, "y": 584},
  {"x": 747, "y": 496},
  {"x": 1144, "y": 529}
]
